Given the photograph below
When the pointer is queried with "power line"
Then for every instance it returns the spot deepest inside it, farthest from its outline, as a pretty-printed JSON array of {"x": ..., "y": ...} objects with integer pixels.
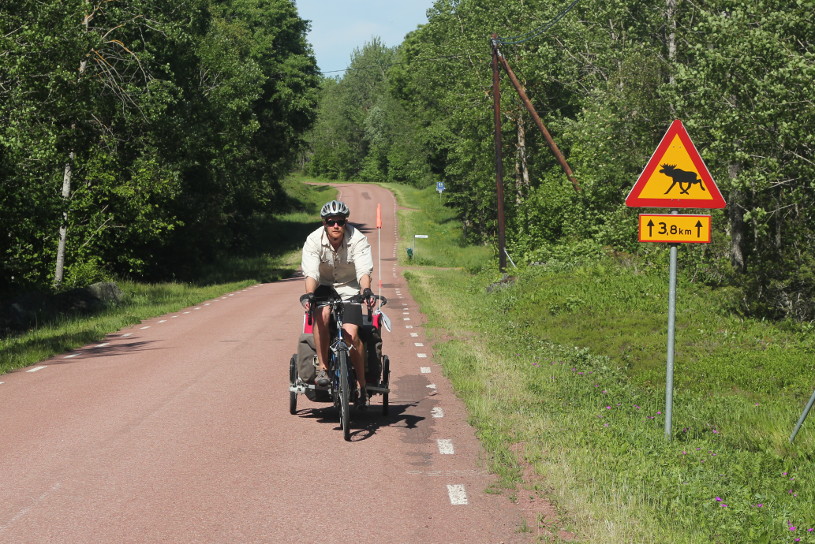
[
  {"x": 537, "y": 32},
  {"x": 514, "y": 40}
]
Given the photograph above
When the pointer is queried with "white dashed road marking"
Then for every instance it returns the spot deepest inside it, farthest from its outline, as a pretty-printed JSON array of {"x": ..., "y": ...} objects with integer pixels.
[
  {"x": 127, "y": 334},
  {"x": 414, "y": 334},
  {"x": 102, "y": 345},
  {"x": 35, "y": 369},
  {"x": 147, "y": 327},
  {"x": 421, "y": 355},
  {"x": 457, "y": 494},
  {"x": 425, "y": 370},
  {"x": 66, "y": 357},
  {"x": 437, "y": 412},
  {"x": 445, "y": 446},
  {"x": 418, "y": 344},
  {"x": 432, "y": 386}
]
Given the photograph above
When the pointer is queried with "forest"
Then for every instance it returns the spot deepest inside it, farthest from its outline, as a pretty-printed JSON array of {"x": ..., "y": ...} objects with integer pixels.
[
  {"x": 144, "y": 138},
  {"x": 141, "y": 138},
  {"x": 607, "y": 78}
]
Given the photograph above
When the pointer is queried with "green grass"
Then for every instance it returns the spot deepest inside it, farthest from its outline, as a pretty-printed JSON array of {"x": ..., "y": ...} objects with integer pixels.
[
  {"x": 423, "y": 213},
  {"x": 277, "y": 245},
  {"x": 563, "y": 372}
]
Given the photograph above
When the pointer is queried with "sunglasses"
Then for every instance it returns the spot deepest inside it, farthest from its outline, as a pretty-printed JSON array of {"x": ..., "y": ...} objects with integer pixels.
[{"x": 332, "y": 222}]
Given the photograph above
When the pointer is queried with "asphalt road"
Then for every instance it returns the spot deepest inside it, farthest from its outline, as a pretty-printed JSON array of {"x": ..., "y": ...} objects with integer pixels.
[{"x": 178, "y": 430}]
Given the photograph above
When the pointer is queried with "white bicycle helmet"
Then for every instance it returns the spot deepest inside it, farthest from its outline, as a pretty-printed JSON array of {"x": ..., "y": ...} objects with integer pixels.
[{"x": 335, "y": 207}]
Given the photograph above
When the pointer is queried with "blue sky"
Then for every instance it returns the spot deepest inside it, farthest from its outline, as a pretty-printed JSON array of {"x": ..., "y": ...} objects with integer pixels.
[{"x": 340, "y": 26}]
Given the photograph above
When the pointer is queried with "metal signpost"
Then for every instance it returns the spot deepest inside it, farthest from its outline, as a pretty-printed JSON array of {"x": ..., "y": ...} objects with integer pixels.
[{"x": 682, "y": 181}]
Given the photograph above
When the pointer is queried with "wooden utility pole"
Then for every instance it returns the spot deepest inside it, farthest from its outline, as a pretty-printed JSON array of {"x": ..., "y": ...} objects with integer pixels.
[{"x": 499, "y": 162}]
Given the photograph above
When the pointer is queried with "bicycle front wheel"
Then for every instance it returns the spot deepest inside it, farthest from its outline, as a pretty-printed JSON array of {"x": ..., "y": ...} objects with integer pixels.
[{"x": 344, "y": 393}]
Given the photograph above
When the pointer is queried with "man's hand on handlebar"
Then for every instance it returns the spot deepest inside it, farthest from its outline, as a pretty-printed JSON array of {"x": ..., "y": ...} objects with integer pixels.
[
  {"x": 368, "y": 297},
  {"x": 307, "y": 300}
]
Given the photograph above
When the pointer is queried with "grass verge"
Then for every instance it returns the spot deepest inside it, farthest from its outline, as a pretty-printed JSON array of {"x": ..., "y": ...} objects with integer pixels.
[{"x": 563, "y": 372}]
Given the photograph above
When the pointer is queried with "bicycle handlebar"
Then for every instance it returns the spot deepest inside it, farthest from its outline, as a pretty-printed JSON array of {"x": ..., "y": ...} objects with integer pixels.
[{"x": 356, "y": 299}]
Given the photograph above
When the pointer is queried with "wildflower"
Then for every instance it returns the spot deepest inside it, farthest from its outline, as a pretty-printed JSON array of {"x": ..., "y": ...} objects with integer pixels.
[
  {"x": 759, "y": 505},
  {"x": 715, "y": 431},
  {"x": 718, "y": 499},
  {"x": 792, "y": 528},
  {"x": 608, "y": 407}
]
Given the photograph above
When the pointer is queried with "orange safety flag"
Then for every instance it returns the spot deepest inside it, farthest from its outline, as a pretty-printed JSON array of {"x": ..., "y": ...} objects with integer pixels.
[{"x": 379, "y": 216}]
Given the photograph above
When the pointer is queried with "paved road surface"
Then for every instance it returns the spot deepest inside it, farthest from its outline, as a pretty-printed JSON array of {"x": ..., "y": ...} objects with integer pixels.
[{"x": 177, "y": 430}]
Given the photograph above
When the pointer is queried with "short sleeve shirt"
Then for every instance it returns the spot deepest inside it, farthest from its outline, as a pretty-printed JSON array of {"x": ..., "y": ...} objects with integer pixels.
[{"x": 341, "y": 269}]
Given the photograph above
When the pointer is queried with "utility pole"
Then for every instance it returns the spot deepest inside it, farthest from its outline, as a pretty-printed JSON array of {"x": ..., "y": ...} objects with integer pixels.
[{"x": 499, "y": 162}]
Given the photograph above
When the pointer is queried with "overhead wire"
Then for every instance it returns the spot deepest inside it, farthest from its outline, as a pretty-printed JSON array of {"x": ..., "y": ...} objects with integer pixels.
[{"x": 513, "y": 40}]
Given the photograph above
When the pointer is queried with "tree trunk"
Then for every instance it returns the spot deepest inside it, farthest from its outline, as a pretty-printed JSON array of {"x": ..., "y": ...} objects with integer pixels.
[
  {"x": 521, "y": 166},
  {"x": 670, "y": 16},
  {"x": 735, "y": 212},
  {"x": 63, "y": 228},
  {"x": 67, "y": 172}
]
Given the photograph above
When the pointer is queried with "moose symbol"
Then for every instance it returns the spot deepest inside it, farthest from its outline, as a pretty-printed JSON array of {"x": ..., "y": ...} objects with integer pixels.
[{"x": 683, "y": 178}]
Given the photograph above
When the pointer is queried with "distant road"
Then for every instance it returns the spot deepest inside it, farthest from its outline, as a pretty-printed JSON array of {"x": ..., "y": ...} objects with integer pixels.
[{"x": 177, "y": 430}]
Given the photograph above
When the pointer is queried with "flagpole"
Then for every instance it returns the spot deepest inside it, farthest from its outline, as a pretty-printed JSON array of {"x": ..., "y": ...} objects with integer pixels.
[{"x": 379, "y": 245}]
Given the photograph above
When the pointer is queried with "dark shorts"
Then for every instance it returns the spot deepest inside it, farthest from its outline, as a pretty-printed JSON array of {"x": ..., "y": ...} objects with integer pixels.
[{"x": 351, "y": 313}]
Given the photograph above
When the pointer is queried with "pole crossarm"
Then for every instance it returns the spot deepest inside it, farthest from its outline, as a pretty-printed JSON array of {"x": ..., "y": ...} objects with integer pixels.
[{"x": 531, "y": 109}]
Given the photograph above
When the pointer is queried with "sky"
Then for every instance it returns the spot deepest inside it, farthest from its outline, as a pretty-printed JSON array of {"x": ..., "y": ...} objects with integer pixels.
[{"x": 340, "y": 26}]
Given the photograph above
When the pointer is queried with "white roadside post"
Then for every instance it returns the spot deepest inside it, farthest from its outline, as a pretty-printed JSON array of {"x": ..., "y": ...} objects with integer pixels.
[{"x": 414, "y": 242}]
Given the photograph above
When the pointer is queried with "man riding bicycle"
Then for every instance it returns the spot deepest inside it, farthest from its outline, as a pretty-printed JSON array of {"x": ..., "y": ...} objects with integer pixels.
[{"x": 338, "y": 256}]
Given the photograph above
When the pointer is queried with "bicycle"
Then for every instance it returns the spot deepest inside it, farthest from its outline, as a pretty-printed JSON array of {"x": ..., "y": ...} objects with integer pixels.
[{"x": 342, "y": 391}]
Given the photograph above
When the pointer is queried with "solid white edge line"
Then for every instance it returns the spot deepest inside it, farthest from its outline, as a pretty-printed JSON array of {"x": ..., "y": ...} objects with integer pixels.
[{"x": 457, "y": 494}]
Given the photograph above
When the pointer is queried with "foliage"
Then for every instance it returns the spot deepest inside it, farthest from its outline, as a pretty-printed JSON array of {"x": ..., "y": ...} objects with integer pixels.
[
  {"x": 172, "y": 124},
  {"x": 607, "y": 79},
  {"x": 276, "y": 248},
  {"x": 362, "y": 131}
]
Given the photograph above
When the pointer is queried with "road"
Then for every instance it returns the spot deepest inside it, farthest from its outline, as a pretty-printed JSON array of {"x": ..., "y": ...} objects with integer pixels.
[{"x": 178, "y": 430}]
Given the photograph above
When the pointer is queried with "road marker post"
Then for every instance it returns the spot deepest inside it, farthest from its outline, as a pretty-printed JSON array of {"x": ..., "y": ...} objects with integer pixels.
[{"x": 413, "y": 253}]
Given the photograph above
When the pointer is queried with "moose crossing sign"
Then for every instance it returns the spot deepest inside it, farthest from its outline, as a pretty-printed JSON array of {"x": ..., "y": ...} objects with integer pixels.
[{"x": 676, "y": 176}]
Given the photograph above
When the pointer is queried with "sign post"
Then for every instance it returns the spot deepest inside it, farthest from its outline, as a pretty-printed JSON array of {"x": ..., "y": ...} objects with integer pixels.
[{"x": 675, "y": 177}]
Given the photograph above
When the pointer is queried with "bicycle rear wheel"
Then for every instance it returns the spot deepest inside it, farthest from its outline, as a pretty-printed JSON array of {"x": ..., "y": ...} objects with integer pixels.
[
  {"x": 292, "y": 382},
  {"x": 345, "y": 411},
  {"x": 386, "y": 371}
]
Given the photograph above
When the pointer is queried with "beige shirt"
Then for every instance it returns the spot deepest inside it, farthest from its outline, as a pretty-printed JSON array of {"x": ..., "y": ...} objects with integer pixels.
[{"x": 341, "y": 269}]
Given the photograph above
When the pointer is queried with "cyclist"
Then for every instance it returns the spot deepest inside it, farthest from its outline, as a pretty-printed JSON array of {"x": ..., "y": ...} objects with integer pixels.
[{"x": 338, "y": 256}]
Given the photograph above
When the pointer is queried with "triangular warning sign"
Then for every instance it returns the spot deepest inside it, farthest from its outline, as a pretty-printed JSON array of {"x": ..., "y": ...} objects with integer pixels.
[{"x": 675, "y": 177}]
